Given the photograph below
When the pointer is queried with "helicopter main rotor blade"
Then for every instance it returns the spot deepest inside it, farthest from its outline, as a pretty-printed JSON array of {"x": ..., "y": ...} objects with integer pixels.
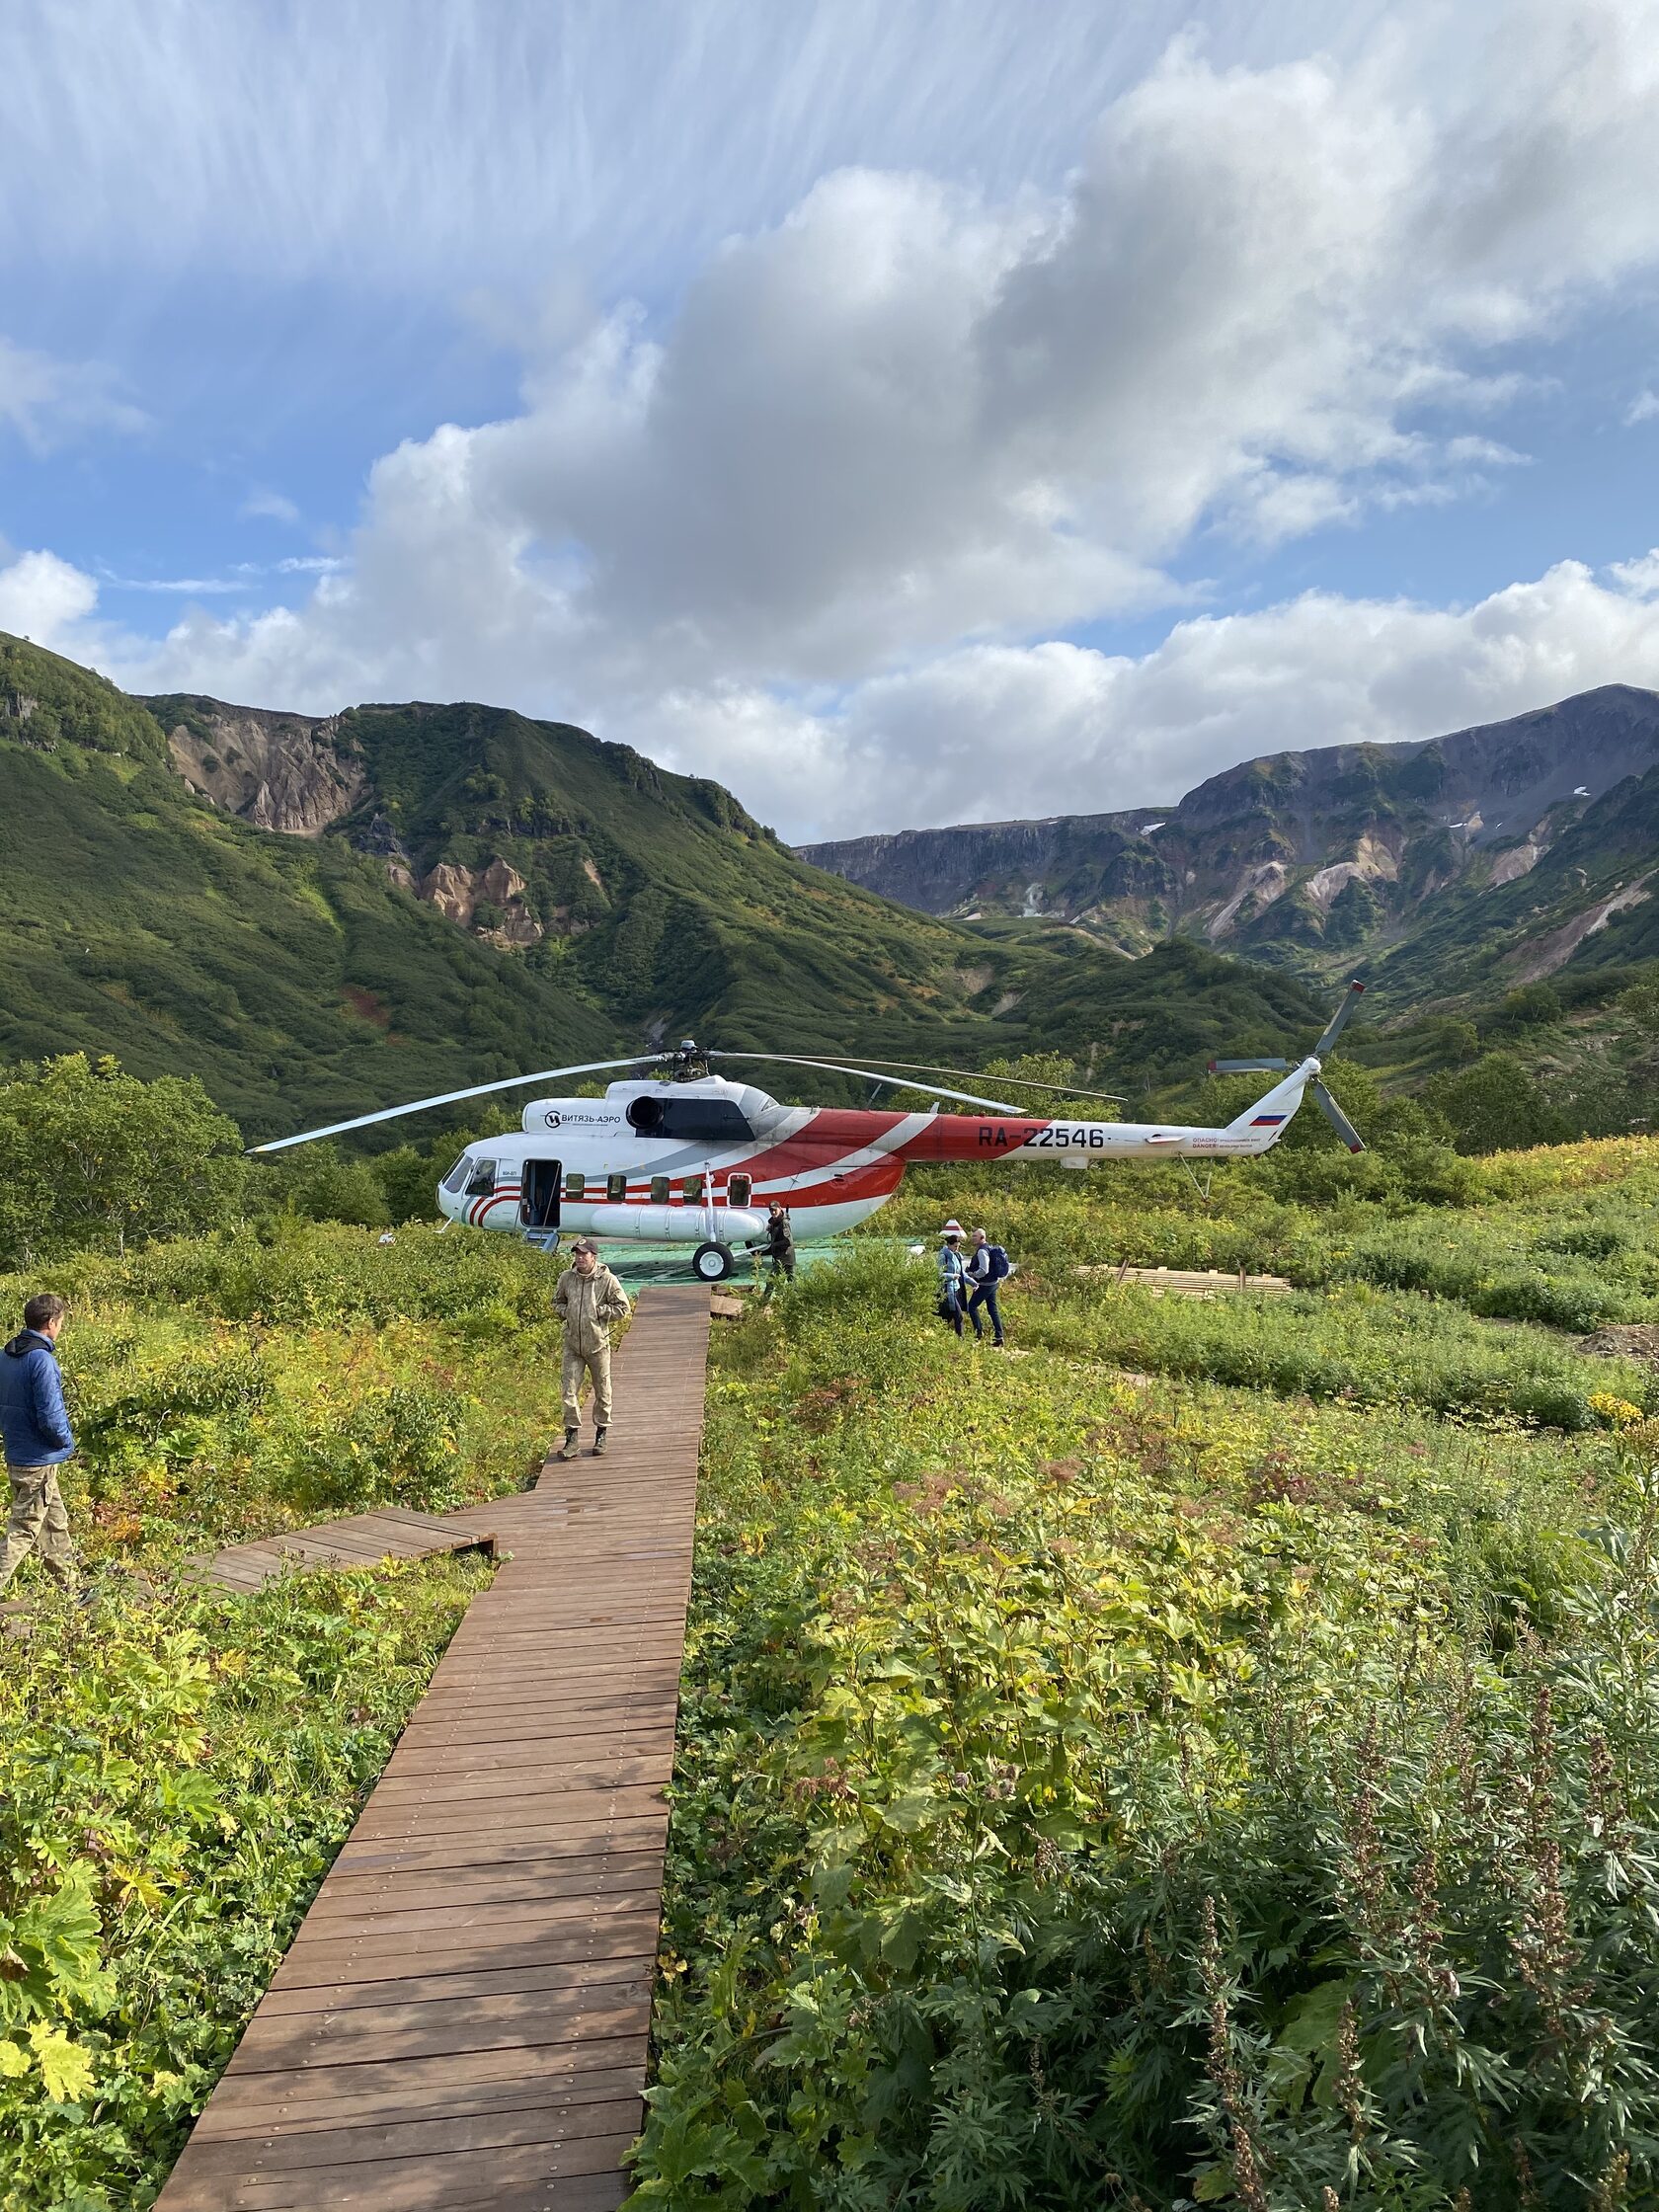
[
  {"x": 1339, "y": 1020},
  {"x": 893, "y": 1082},
  {"x": 451, "y": 1098},
  {"x": 1020, "y": 1082},
  {"x": 1248, "y": 1066},
  {"x": 1338, "y": 1120}
]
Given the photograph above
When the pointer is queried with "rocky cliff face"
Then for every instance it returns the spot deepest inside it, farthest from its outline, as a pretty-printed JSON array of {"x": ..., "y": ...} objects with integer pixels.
[
  {"x": 299, "y": 774},
  {"x": 1299, "y": 852},
  {"x": 279, "y": 771}
]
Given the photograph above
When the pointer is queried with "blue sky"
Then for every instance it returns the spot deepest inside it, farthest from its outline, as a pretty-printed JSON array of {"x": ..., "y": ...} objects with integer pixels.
[{"x": 906, "y": 412}]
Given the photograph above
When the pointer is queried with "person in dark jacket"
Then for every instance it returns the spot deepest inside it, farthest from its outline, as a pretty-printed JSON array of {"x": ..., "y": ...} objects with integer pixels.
[
  {"x": 34, "y": 1425},
  {"x": 779, "y": 1246}
]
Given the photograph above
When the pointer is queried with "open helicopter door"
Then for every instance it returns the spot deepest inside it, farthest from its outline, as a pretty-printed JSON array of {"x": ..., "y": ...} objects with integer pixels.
[{"x": 538, "y": 1195}]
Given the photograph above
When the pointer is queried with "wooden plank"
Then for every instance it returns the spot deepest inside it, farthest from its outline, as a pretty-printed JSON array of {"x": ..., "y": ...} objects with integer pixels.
[
  {"x": 417, "y": 1978},
  {"x": 597, "y": 2085},
  {"x": 454, "y": 2182},
  {"x": 462, "y": 2019},
  {"x": 471, "y": 2080}
]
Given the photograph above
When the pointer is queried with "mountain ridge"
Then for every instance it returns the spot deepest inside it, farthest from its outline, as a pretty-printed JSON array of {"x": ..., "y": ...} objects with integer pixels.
[
  {"x": 320, "y": 915},
  {"x": 1296, "y": 857}
]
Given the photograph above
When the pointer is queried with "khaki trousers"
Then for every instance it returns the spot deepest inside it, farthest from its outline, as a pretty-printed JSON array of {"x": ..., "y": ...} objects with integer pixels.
[
  {"x": 576, "y": 1365},
  {"x": 38, "y": 1523}
]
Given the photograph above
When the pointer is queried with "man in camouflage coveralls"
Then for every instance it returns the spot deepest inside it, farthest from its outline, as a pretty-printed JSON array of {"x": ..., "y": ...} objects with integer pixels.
[{"x": 589, "y": 1302}]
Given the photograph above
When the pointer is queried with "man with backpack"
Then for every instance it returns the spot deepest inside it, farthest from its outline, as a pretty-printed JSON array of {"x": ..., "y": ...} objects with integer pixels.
[
  {"x": 38, "y": 1441},
  {"x": 987, "y": 1265}
]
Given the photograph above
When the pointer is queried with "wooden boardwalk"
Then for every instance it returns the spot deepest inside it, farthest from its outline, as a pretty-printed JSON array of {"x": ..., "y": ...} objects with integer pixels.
[
  {"x": 462, "y": 2019},
  {"x": 363, "y": 1540}
]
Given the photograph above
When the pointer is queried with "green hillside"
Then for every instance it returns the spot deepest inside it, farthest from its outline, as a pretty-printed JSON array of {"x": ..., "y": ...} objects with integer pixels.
[
  {"x": 442, "y": 895},
  {"x": 288, "y": 973}
]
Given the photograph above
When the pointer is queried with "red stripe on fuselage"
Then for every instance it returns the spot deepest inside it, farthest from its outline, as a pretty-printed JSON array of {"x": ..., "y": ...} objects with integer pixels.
[{"x": 971, "y": 1137}]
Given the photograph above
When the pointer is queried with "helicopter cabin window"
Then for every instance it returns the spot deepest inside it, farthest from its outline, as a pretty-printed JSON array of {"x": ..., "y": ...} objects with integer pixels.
[
  {"x": 575, "y": 1186},
  {"x": 659, "y": 1190},
  {"x": 482, "y": 1180},
  {"x": 736, "y": 1190},
  {"x": 691, "y": 1190},
  {"x": 457, "y": 1176},
  {"x": 616, "y": 1189}
]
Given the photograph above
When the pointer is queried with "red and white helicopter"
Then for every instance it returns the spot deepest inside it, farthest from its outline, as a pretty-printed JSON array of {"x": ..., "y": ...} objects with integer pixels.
[{"x": 687, "y": 1157}]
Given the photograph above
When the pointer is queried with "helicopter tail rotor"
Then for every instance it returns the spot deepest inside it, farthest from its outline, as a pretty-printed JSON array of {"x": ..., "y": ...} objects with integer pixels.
[{"x": 1315, "y": 1085}]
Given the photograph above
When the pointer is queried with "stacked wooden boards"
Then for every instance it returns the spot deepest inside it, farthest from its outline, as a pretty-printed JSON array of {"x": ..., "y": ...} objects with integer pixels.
[{"x": 462, "y": 2019}]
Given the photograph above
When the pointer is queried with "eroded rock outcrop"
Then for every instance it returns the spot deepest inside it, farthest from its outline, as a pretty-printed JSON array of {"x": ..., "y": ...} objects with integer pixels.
[{"x": 279, "y": 771}]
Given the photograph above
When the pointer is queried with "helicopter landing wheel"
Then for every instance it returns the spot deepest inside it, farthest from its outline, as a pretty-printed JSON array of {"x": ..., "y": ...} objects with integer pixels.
[{"x": 712, "y": 1263}]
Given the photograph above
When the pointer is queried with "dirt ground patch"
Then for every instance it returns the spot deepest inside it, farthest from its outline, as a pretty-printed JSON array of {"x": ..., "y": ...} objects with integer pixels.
[{"x": 1625, "y": 1340}]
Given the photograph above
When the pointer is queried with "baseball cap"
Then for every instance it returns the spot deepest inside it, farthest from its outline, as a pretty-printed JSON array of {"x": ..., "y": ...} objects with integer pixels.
[{"x": 585, "y": 1244}]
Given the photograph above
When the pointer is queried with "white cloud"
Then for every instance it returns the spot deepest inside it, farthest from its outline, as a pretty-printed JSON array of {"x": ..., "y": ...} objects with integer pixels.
[
  {"x": 49, "y": 602},
  {"x": 51, "y": 402},
  {"x": 994, "y": 731},
  {"x": 1642, "y": 409}
]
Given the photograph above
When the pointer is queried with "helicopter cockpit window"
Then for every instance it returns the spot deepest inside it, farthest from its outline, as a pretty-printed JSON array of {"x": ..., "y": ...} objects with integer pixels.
[
  {"x": 737, "y": 1190},
  {"x": 691, "y": 1190},
  {"x": 457, "y": 1176},
  {"x": 695, "y": 1121},
  {"x": 482, "y": 1180},
  {"x": 659, "y": 1189},
  {"x": 616, "y": 1189}
]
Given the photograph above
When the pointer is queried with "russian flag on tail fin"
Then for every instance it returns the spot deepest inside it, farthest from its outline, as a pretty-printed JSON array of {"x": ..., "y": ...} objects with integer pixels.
[{"x": 1263, "y": 1121}]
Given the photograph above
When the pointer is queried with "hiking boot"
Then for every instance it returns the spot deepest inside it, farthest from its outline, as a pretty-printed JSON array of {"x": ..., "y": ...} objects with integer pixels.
[
  {"x": 569, "y": 1451},
  {"x": 600, "y": 1436}
]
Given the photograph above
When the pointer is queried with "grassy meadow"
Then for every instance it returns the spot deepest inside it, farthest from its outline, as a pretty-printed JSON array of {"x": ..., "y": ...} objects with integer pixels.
[
  {"x": 1208, "y": 1755},
  {"x": 179, "y": 1765}
]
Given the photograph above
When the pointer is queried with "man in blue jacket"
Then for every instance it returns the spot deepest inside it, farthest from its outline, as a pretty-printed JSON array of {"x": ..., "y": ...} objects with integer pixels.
[{"x": 35, "y": 1424}]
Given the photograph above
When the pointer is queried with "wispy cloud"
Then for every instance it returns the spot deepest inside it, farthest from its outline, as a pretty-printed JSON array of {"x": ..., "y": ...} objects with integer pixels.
[
  {"x": 51, "y": 403},
  {"x": 1642, "y": 409},
  {"x": 243, "y": 576},
  {"x": 262, "y": 504},
  {"x": 192, "y": 585},
  {"x": 438, "y": 149}
]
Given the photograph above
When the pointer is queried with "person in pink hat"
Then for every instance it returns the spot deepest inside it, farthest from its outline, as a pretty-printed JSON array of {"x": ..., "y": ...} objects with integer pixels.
[{"x": 952, "y": 1276}]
